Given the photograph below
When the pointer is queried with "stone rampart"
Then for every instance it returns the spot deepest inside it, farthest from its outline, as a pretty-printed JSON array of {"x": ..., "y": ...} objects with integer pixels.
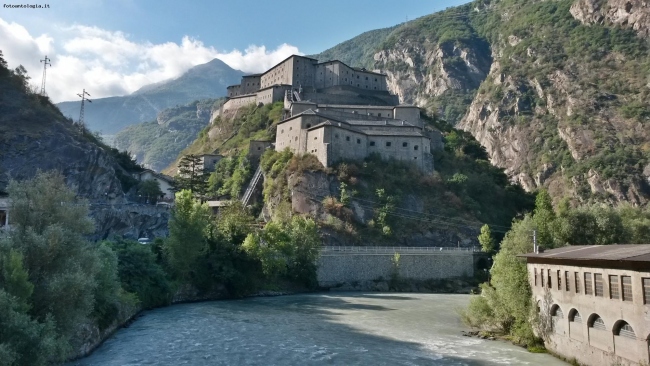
[{"x": 341, "y": 266}]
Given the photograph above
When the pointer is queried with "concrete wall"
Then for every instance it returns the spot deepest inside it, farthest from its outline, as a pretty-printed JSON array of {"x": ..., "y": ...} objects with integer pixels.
[
  {"x": 587, "y": 344},
  {"x": 333, "y": 73},
  {"x": 250, "y": 84},
  {"x": 339, "y": 268},
  {"x": 235, "y": 103}
]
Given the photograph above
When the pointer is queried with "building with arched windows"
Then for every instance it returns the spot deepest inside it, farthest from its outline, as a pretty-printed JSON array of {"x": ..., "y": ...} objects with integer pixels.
[{"x": 597, "y": 301}]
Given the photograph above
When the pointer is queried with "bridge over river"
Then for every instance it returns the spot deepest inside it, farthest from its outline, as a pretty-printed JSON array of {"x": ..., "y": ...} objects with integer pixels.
[{"x": 343, "y": 266}]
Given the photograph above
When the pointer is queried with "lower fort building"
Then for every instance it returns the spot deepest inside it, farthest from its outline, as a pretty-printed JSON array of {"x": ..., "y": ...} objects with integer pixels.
[{"x": 596, "y": 300}]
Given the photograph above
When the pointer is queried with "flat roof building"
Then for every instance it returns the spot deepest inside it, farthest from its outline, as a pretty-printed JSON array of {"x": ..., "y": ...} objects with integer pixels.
[{"x": 597, "y": 301}]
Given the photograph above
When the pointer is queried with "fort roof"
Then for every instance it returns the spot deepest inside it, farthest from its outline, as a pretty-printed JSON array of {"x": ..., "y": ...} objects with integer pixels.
[
  {"x": 281, "y": 62},
  {"x": 624, "y": 256}
]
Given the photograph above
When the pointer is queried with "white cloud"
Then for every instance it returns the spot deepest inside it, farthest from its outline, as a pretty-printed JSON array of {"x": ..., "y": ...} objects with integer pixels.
[{"x": 108, "y": 63}]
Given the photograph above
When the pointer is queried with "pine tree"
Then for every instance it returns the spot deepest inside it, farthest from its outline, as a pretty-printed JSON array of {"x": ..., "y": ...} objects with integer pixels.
[{"x": 191, "y": 175}]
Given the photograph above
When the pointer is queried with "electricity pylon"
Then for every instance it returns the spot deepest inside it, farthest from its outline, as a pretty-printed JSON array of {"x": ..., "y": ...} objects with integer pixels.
[
  {"x": 45, "y": 62},
  {"x": 81, "y": 112}
]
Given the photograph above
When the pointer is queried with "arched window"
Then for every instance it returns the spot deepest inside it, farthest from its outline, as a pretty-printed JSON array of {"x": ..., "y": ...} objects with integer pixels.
[
  {"x": 574, "y": 316},
  {"x": 557, "y": 312},
  {"x": 597, "y": 322},
  {"x": 623, "y": 329}
]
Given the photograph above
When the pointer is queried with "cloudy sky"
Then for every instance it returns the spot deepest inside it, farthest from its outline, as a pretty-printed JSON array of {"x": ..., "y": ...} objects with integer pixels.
[{"x": 114, "y": 47}]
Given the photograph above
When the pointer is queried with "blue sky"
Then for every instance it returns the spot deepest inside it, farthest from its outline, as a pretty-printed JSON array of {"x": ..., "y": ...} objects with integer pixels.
[{"x": 121, "y": 45}]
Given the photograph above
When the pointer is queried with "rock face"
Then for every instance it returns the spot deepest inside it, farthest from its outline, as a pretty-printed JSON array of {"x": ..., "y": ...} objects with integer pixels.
[
  {"x": 309, "y": 189},
  {"x": 558, "y": 128},
  {"x": 35, "y": 136},
  {"x": 417, "y": 72},
  {"x": 634, "y": 14}
]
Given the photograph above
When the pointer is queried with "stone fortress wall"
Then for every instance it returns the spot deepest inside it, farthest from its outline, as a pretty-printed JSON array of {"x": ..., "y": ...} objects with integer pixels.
[{"x": 338, "y": 268}]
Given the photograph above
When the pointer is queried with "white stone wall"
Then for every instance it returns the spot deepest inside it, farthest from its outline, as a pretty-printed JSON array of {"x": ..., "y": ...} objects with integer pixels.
[
  {"x": 238, "y": 102},
  {"x": 589, "y": 345}
]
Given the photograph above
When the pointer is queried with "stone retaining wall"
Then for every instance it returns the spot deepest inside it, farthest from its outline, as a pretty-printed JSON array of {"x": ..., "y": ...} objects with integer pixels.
[{"x": 338, "y": 269}]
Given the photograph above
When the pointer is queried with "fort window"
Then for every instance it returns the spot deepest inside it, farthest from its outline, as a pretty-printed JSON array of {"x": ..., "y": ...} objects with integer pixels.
[
  {"x": 542, "y": 276},
  {"x": 357, "y": 76},
  {"x": 556, "y": 312},
  {"x": 627, "y": 288},
  {"x": 577, "y": 278},
  {"x": 378, "y": 114},
  {"x": 375, "y": 79},
  {"x": 308, "y": 125},
  {"x": 3, "y": 218},
  {"x": 559, "y": 280},
  {"x": 347, "y": 138},
  {"x": 372, "y": 143},
  {"x": 415, "y": 147},
  {"x": 336, "y": 135},
  {"x": 566, "y": 280},
  {"x": 597, "y": 323},
  {"x": 613, "y": 287},
  {"x": 588, "y": 288},
  {"x": 598, "y": 280},
  {"x": 644, "y": 281},
  {"x": 282, "y": 131},
  {"x": 290, "y": 128},
  {"x": 295, "y": 138},
  {"x": 415, "y": 158},
  {"x": 574, "y": 316},
  {"x": 535, "y": 272},
  {"x": 357, "y": 85},
  {"x": 358, "y": 141},
  {"x": 548, "y": 278},
  {"x": 388, "y": 143},
  {"x": 315, "y": 137},
  {"x": 624, "y": 330},
  {"x": 366, "y": 78},
  {"x": 405, "y": 144}
]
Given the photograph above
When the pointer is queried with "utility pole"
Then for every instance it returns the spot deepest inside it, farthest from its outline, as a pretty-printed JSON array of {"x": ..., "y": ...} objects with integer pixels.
[
  {"x": 81, "y": 112},
  {"x": 535, "y": 248},
  {"x": 45, "y": 62}
]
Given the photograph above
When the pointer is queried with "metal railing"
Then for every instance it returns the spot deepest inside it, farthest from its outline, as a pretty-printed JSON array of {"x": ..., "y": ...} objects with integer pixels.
[
  {"x": 251, "y": 186},
  {"x": 390, "y": 250}
]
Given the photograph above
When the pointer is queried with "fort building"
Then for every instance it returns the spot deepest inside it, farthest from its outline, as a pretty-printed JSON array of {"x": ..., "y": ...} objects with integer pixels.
[
  {"x": 337, "y": 112},
  {"x": 597, "y": 301}
]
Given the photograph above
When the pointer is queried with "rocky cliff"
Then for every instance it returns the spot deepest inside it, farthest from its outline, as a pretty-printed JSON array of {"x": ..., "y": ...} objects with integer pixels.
[
  {"x": 564, "y": 106},
  {"x": 35, "y": 136},
  {"x": 632, "y": 14}
]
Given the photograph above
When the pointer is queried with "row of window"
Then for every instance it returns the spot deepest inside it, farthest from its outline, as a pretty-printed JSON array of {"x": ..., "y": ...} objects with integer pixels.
[
  {"x": 619, "y": 287},
  {"x": 620, "y": 328},
  {"x": 372, "y": 143}
]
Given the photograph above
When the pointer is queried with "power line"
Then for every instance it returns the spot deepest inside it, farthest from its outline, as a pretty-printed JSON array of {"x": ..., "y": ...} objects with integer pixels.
[{"x": 45, "y": 62}]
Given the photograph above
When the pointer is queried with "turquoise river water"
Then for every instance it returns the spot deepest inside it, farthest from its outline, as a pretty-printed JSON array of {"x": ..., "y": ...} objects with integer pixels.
[{"x": 314, "y": 329}]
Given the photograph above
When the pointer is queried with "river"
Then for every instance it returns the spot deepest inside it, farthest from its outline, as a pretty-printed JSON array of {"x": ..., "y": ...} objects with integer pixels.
[{"x": 315, "y": 329}]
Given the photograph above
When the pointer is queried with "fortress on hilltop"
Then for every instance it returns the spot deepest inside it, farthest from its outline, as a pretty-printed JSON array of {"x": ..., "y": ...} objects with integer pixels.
[{"x": 337, "y": 112}]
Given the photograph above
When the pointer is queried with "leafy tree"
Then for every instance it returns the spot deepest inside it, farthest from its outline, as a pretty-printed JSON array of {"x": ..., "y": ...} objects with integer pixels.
[
  {"x": 188, "y": 227},
  {"x": 150, "y": 189},
  {"x": 140, "y": 274},
  {"x": 287, "y": 249},
  {"x": 486, "y": 240},
  {"x": 49, "y": 228}
]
